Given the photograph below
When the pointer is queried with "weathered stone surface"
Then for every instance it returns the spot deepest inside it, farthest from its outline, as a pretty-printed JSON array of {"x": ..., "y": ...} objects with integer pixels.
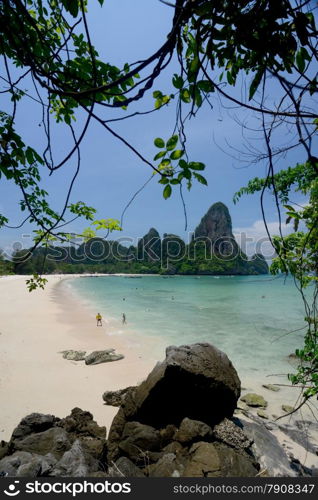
[
  {"x": 75, "y": 463},
  {"x": 97, "y": 357},
  {"x": 267, "y": 450},
  {"x": 9, "y": 465},
  {"x": 82, "y": 423},
  {"x": 203, "y": 461},
  {"x": 125, "y": 468},
  {"x": 54, "y": 440},
  {"x": 167, "y": 434},
  {"x": 116, "y": 398},
  {"x": 197, "y": 381},
  {"x": 138, "y": 439},
  {"x": 35, "y": 422},
  {"x": 234, "y": 463},
  {"x": 271, "y": 387},
  {"x": 74, "y": 355},
  {"x": 167, "y": 466},
  {"x": 255, "y": 400},
  {"x": 192, "y": 430},
  {"x": 231, "y": 434}
]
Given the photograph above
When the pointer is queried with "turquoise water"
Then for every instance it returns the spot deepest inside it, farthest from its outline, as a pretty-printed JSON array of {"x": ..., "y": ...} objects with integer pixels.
[{"x": 247, "y": 317}]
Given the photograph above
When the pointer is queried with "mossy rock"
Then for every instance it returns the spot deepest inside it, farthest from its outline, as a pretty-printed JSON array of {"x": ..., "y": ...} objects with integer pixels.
[
  {"x": 262, "y": 414},
  {"x": 271, "y": 387},
  {"x": 287, "y": 408},
  {"x": 255, "y": 400}
]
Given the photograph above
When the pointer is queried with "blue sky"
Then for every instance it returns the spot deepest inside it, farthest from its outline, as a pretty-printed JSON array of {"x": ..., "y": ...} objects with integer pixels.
[{"x": 126, "y": 31}]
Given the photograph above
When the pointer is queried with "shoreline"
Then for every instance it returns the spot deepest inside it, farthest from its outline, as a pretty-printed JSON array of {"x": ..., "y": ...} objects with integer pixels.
[{"x": 35, "y": 327}]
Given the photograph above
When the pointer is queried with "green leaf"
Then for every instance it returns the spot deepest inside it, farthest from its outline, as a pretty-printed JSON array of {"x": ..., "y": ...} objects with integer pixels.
[
  {"x": 167, "y": 191},
  {"x": 72, "y": 6},
  {"x": 183, "y": 164},
  {"x": 159, "y": 155},
  {"x": 205, "y": 85},
  {"x": 200, "y": 178},
  {"x": 159, "y": 143},
  {"x": 175, "y": 155},
  {"x": 196, "y": 165},
  {"x": 177, "y": 81},
  {"x": 172, "y": 142},
  {"x": 157, "y": 94},
  {"x": 255, "y": 83},
  {"x": 185, "y": 95}
]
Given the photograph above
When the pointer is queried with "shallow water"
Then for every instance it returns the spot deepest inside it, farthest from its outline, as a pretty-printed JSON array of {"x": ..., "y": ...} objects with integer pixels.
[{"x": 247, "y": 317}]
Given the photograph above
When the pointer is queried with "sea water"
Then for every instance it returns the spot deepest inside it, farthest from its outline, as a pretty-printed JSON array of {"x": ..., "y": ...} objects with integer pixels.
[{"x": 258, "y": 321}]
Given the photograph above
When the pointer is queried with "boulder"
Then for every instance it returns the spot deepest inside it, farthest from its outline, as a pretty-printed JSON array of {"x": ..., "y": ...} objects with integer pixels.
[
  {"x": 97, "y": 357},
  {"x": 167, "y": 466},
  {"x": 24, "y": 464},
  {"x": 139, "y": 439},
  {"x": 217, "y": 460},
  {"x": 179, "y": 387},
  {"x": 74, "y": 355},
  {"x": 75, "y": 463},
  {"x": 81, "y": 423},
  {"x": 125, "y": 468},
  {"x": 262, "y": 414},
  {"x": 54, "y": 440},
  {"x": 197, "y": 381},
  {"x": 116, "y": 398},
  {"x": 192, "y": 430},
  {"x": 35, "y": 422},
  {"x": 254, "y": 400}
]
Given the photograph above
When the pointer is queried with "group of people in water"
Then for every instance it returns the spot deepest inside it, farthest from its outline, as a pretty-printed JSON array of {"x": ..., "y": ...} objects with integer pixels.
[{"x": 99, "y": 319}]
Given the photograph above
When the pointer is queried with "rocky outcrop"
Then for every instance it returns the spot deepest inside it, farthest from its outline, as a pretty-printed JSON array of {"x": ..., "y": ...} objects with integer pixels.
[
  {"x": 177, "y": 422},
  {"x": 255, "y": 400},
  {"x": 216, "y": 228},
  {"x": 72, "y": 355},
  {"x": 97, "y": 357},
  {"x": 116, "y": 398},
  {"x": 44, "y": 445},
  {"x": 149, "y": 247}
]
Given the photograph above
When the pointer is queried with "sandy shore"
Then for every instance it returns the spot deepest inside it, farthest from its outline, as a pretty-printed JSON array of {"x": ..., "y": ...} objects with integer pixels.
[{"x": 34, "y": 328}]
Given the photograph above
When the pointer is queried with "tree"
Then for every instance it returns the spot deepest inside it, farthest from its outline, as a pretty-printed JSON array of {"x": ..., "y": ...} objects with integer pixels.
[{"x": 272, "y": 44}]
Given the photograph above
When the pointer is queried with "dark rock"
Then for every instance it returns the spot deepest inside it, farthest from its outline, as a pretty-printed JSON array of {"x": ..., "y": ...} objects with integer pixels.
[
  {"x": 9, "y": 465},
  {"x": 82, "y": 423},
  {"x": 231, "y": 434},
  {"x": 167, "y": 466},
  {"x": 35, "y": 422},
  {"x": 300, "y": 437},
  {"x": 138, "y": 439},
  {"x": 116, "y": 398},
  {"x": 106, "y": 356},
  {"x": 75, "y": 462},
  {"x": 192, "y": 430},
  {"x": 54, "y": 440},
  {"x": 217, "y": 460},
  {"x": 167, "y": 434},
  {"x": 198, "y": 382},
  {"x": 4, "y": 449},
  {"x": 125, "y": 468},
  {"x": 24, "y": 464}
]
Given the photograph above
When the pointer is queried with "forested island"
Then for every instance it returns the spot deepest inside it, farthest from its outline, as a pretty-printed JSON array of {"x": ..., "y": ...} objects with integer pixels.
[{"x": 212, "y": 250}]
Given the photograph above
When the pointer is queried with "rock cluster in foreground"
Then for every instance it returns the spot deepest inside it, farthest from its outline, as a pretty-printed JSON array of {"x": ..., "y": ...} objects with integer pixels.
[{"x": 177, "y": 423}]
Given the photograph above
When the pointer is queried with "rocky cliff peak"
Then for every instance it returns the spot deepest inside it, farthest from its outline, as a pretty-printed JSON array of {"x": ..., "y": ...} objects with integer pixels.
[
  {"x": 216, "y": 223},
  {"x": 149, "y": 247}
]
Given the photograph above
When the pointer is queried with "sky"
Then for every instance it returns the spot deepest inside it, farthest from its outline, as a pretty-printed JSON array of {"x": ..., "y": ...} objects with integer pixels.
[{"x": 126, "y": 31}]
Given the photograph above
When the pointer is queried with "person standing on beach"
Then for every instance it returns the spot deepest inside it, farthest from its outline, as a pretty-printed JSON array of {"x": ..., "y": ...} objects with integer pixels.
[
  {"x": 99, "y": 319},
  {"x": 124, "y": 319}
]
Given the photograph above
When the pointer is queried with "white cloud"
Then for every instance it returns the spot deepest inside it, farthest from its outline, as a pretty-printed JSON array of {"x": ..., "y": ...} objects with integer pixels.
[{"x": 254, "y": 239}]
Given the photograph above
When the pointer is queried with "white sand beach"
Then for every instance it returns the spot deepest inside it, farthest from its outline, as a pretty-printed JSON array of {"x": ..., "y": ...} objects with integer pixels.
[{"x": 34, "y": 328}]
